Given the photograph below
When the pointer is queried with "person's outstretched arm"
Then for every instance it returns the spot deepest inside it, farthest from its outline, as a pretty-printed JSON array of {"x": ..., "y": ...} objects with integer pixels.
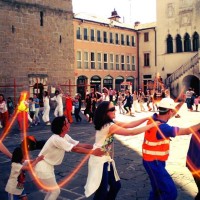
[
  {"x": 79, "y": 148},
  {"x": 4, "y": 150},
  {"x": 115, "y": 129},
  {"x": 132, "y": 124},
  {"x": 187, "y": 131},
  {"x": 32, "y": 162}
]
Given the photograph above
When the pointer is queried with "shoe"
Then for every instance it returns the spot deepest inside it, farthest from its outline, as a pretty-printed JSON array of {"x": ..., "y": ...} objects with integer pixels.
[{"x": 48, "y": 124}]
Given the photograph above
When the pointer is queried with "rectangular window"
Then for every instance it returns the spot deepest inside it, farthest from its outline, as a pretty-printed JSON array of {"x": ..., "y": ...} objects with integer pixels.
[
  {"x": 128, "y": 40},
  {"x": 78, "y": 33},
  {"x": 99, "y": 60},
  {"x": 85, "y": 34},
  {"x": 133, "y": 41},
  {"x": 41, "y": 18},
  {"x": 105, "y": 60},
  {"x": 111, "y": 61},
  {"x": 78, "y": 59},
  {"x": 122, "y": 63},
  {"x": 116, "y": 38},
  {"x": 146, "y": 37},
  {"x": 86, "y": 60},
  {"x": 133, "y": 63},
  {"x": 98, "y": 36},
  {"x": 128, "y": 63},
  {"x": 92, "y": 60},
  {"x": 122, "y": 39},
  {"x": 105, "y": 40},
  {"x": 117, "y": 62},
  {"x": 146, "y": 60},
  {"x": 92, "y": 37},
  {"x": 111, "y": 38}
]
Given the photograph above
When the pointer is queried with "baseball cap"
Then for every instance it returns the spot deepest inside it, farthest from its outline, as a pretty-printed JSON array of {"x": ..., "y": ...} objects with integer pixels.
[{"x": 167, "y": 103}]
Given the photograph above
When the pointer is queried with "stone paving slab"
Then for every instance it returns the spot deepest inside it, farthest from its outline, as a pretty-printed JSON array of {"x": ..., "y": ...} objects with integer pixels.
[{"x": 135, "y": 182}]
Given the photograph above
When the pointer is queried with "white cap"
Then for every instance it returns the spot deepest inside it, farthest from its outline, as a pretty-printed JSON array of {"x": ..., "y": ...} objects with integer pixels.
[{"x": 167, "y": 103}]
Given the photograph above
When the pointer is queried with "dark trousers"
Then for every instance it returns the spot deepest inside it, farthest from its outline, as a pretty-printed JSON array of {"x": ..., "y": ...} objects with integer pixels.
[
  {"x": 197, "y": 181},
  {"x": 163, "y": 187},
  {"x": 77, "y": 116},
  {"x": 109, "y": 187}
]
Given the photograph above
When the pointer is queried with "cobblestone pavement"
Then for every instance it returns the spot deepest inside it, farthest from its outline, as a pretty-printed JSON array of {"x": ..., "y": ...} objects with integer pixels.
[{"x": 135, "y": 183}]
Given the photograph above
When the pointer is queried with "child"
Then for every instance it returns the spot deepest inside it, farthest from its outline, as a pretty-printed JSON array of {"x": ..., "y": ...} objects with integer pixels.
[
  {"x": 15, "y": 184},
  {"x": 10, "y": 106}
]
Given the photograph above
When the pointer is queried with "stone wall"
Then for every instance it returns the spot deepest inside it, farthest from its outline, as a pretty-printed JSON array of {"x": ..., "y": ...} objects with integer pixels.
[{"x": 36, "y": 40}]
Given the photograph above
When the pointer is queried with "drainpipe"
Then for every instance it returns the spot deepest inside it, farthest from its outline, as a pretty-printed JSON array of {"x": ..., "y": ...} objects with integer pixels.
[
  {"x": 155, "y": 47},
  {"x": 138, "y": 62}
]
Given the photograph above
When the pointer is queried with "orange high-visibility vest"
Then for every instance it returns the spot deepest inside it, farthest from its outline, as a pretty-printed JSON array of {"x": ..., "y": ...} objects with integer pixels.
[{"x": 154, "y": 149}]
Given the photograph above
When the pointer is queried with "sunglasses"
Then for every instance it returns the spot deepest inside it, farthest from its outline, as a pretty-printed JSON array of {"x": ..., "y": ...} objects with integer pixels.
[{"x": 111, "y": 109}]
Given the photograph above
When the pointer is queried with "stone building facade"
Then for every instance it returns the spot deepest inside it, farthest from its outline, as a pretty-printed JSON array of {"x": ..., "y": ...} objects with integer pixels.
[
  {"x": 178, "y": 33},
  {"x": 106, "y": 53},
  {"x": 36, "y": 45}
]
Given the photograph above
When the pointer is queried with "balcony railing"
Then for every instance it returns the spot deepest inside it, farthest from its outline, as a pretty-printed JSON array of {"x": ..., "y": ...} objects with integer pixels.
[{"x": 182, "y": 69}]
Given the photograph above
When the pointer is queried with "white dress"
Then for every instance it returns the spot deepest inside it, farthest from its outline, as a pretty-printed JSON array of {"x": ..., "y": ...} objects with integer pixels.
[
  {"x": 95, "y": 164},
  {"x": 45, "y": 116}
]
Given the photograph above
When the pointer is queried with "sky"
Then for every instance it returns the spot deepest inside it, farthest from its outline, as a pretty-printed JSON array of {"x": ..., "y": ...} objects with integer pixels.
[{"x": 130, "y": 11}]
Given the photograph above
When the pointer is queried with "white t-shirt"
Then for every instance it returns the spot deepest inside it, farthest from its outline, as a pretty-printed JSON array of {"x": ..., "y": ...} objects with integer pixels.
[
  {"x": 11, "y": 186},
  {"x": 53, "y": 151},
  {"x": 3, "y": 107},
  {"x": 55, "y": 147},
  {"x": 58, "y": 100}
]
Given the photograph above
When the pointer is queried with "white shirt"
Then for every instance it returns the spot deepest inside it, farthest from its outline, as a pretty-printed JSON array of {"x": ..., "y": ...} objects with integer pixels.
[
  {"x": 3, "y": 107},
  {"x": 105, "y": 98},
  {"x": 11, "y": 186},
  {"x": 55, "y": 147},
  {"x": 53, "y": 151},
  {"x": 58, "y": 100}
]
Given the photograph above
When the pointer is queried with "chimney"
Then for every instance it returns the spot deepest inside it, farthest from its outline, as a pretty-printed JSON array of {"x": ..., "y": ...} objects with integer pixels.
[
  {"x": 137, "y": 23},
  {"x": 114, "y": 16}
]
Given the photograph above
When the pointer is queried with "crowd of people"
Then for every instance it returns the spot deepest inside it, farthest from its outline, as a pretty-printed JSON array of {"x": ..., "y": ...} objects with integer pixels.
[{"x": 103, "y": 181}]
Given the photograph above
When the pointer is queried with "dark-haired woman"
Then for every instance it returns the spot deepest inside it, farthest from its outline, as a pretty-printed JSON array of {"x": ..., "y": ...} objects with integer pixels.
[
  {"x": 102, "y": 173},
  {"x": 54, "y": 151}
]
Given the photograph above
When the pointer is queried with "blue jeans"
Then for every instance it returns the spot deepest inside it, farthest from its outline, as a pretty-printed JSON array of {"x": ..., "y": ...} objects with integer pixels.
[
  {"x": 109, "y": 187},
  {"x": 163, "y": 187}
]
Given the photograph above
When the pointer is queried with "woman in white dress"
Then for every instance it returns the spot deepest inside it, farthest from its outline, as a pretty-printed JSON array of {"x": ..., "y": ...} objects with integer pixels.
[
  {"x": 101, "y": 170},
  {"x": 46, "y": 111}
]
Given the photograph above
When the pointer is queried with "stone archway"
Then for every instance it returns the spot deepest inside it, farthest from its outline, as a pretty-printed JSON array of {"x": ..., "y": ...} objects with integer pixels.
[
  {"x": 108, "y": 82},
  {"x": 82, "y": 82},
  {"x": 118, "y": 82},
  {"x": 193, "y": 82},
  {"x": 95, "y": 83},
  {"x": 37, "y": 85}
]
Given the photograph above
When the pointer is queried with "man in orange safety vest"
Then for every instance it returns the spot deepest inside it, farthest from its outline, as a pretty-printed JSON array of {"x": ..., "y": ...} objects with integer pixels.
[{"x": 155, "y": 150}]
